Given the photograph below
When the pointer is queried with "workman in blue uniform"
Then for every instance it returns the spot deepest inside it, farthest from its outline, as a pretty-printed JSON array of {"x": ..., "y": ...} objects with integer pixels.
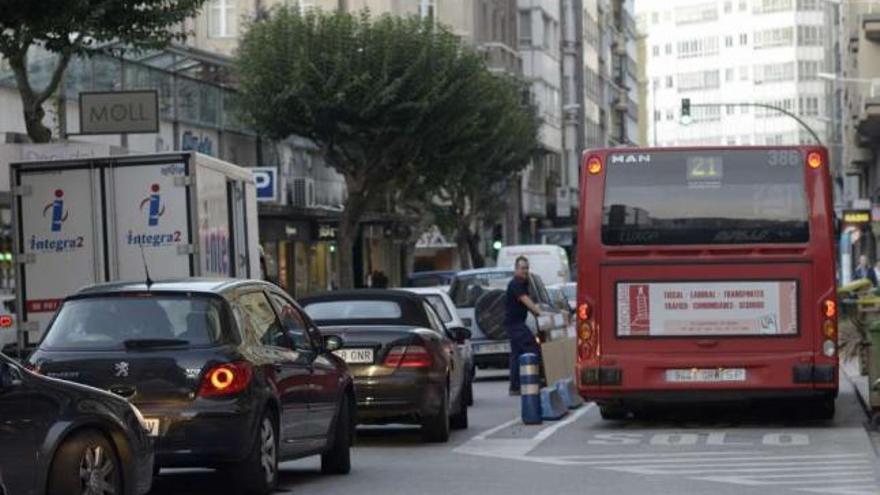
[{"x": 518, "y": 304}]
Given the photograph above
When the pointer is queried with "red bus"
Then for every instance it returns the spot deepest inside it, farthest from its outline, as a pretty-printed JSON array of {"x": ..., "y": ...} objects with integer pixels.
[{"x": 706, "y": 274}]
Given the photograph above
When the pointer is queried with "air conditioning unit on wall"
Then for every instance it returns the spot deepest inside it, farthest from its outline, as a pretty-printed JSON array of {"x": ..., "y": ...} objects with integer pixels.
[{"x": 302, "y": 192}]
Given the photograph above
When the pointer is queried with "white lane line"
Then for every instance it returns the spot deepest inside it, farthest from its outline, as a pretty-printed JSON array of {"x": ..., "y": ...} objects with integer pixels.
[
  {"x": 788, "y": 468},
  {"x": 873, "y": 489},
  {"x": 548, "y": 432},
  {"x": 721, "y": 462},
  {"x": 492, "y": 431},
  {"x": 851, "y": 478},
  {"x": 656, "y": 454}
]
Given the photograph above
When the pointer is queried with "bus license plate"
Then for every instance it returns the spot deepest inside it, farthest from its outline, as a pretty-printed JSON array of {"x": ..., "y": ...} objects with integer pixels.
[{"x": 706, "y": 375}]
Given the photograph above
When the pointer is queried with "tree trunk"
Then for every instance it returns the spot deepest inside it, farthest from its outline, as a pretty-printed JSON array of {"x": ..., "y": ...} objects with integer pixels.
[
  {"x": 348, "y": 231},
  {"x": 33, "y": 121},
  {"x": 477, "y": 259}
]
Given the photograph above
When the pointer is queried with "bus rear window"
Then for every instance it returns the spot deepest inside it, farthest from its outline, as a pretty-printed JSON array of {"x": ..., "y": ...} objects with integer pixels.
[{"x": 706, "y": 197}]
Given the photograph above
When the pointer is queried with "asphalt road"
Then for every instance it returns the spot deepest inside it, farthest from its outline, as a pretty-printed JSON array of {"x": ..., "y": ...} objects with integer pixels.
[{"x": 717, "y": 452}]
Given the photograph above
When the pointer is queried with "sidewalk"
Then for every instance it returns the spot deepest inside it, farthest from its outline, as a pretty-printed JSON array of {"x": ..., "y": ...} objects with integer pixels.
[{"x": 859, "y": 382}]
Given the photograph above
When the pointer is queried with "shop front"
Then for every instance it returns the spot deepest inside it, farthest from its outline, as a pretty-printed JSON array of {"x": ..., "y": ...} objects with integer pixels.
[{"x": 297, "y": 259}]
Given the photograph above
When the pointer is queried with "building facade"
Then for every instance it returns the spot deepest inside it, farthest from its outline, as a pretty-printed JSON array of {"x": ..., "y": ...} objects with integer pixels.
[
  {"x": 726, "y": 54},
  {"x": 855, "y": 112}
]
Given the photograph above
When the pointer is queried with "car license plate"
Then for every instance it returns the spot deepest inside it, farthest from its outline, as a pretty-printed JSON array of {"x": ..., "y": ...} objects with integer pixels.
[
  {"x": 498, "y": 348},
  {"x": 356, "y": 356},
  {"x": 710, "y": 375},
  {"x": 152, "y": 425}
]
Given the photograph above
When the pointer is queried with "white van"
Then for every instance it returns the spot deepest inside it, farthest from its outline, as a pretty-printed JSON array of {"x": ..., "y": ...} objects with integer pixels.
[{"x": 548, "y": 261}]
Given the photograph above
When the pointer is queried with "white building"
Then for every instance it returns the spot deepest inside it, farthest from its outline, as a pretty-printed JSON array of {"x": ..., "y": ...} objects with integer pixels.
[{"x": 730, "y": 52}]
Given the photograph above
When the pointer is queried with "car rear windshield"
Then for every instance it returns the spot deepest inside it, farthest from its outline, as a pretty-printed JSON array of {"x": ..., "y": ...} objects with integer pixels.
[
  {"x": 466, "y": 289},
  {"x": 705, "y": 197},
  {"x": 361, "y": 309},
  {"x": 439, "y": 306},
  {"x": 119, "y": 322}
]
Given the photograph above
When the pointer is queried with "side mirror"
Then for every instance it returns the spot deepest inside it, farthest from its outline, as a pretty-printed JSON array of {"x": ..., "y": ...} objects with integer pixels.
[
  {"x": 10, "y": 377},
  {"x": 333, "y": 343},
  {"x": 459, "y": 334},
  {"x": 285, "y": 340}
]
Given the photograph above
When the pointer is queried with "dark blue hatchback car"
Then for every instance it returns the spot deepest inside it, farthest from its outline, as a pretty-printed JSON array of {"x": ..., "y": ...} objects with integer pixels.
[{"x": 229, "y": 374}]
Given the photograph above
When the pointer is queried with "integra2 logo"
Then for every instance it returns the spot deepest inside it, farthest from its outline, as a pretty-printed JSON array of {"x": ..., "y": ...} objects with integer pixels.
[
  {"x": 57, "y": 217},
  {"x": 59, "y": 214},
  {"x": 157, "y": 209}
]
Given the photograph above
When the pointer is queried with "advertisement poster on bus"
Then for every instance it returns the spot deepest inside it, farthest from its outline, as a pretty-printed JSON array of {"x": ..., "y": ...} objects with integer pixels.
[{"x": 681, "y": 309}]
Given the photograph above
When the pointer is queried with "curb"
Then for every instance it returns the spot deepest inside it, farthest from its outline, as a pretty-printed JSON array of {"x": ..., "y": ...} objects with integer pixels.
[{"x": 862, "y": 399}]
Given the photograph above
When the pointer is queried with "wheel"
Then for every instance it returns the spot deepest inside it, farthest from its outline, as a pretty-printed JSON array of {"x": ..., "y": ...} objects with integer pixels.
[
  {"x": 86, "y": 464},
  {"x": 436, "y": 428},
  {"x": 258, "y": 473},
  {"x": 824, "y": 408},
  {"x": 459, "y": 420},
  {"x": 489, "y": 314},
  {"x": 469, "y": 392},
  {"x": 337, "y": 460},
  {"x": 612, "y": 412}
]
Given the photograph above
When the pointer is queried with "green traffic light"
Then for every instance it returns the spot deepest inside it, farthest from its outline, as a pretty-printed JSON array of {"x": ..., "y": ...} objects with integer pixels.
[{"x": 497, "y": 245}]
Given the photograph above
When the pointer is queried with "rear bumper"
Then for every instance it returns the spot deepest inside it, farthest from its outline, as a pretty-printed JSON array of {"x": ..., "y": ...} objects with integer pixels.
[
  {"x": 402, "y": 397},
  {"x": 643, "y": 378},
  {"x": 205, "y": 434}
]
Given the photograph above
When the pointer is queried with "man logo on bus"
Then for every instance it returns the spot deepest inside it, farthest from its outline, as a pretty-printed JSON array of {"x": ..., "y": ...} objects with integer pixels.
[
  {"x": 59, "y": 214},
  {"x": 157, "y": 209},
  {"x": 639, "y": 310}
]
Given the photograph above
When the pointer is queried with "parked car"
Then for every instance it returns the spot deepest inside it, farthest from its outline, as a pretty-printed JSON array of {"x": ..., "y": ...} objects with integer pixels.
[
  {"x": 442, "y": 303},
  {"x": 229, "y": 374},
  {"x": 479, "y": 295},
  {"x": 8, "y": 330},
  {"x": 548, "y": 261},
  {"x": 62, "y": 438},
  {"x": 406, "y": 363},
  {"x": 436, "y": 278}
]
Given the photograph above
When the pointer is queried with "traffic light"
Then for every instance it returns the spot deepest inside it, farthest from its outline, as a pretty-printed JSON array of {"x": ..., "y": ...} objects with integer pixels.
[
  {"x": 497, "y": 237},
  {"x": 685, "y": 107}
]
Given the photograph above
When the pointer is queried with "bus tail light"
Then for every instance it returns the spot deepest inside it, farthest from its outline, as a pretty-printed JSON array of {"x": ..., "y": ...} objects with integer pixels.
[
  {"x": 814, "y": 159},
  {"x": 830, "y": 308},
  {"x": 584, "y": 311},
  {"x": 587, "y": 338},
  {"x": 594, "y": 165},
  {"x": 829, "y": 329}
]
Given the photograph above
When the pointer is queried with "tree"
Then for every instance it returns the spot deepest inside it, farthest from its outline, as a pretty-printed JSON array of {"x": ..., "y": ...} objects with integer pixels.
[
  {"x": 476, "y": 183},
  {"x": 72, "y": 28},
  {"x": 378, "y": 95}
]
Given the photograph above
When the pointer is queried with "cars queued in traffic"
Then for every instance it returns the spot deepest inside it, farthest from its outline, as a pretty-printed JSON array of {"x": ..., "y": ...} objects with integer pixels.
[
  {"x": 233, "y": 374},
  {"x": 229, "y": 374},
  {"x": 407, "y": 364}
]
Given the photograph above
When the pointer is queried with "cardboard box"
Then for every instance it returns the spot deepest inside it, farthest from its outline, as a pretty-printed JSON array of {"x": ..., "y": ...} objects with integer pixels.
[{"x": 559, "y": 359}]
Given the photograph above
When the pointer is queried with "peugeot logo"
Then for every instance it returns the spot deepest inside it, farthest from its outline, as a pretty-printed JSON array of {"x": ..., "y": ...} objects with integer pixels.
[{"x": 121, "y": 369}]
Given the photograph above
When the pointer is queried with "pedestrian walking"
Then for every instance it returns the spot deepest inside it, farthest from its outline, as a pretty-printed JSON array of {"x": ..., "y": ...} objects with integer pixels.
[
  {"x": 865, "y": 270},
  {"x": 518, "y": 304}
]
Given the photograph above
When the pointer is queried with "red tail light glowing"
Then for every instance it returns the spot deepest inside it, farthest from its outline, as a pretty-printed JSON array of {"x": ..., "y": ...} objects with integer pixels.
[
  {"x": 226, "y": 379},
  {"x": 408, "y": 356},
  {"x": 814, "y": 159}
]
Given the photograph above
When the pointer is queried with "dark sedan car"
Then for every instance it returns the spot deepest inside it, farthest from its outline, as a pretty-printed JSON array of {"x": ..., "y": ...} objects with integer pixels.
[
  {"x": 406, "y": 364},
  {"x": 229, "y": 374},
  {"x": 62, "y": 438}
]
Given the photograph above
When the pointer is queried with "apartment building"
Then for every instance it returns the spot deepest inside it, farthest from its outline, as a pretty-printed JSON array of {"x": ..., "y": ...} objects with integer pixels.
[{"x": 726, "y": 54}]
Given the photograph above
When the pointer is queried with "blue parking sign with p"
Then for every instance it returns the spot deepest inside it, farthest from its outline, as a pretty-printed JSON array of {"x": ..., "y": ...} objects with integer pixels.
[{"x": 266, "y": 179}]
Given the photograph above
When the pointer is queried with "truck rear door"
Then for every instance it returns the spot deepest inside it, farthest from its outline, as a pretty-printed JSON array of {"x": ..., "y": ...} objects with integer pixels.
[{"x": 58, "y": 234}]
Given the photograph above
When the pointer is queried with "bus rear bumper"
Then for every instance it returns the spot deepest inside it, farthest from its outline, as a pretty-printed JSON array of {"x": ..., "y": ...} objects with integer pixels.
[{"x": 643, "y": 378}]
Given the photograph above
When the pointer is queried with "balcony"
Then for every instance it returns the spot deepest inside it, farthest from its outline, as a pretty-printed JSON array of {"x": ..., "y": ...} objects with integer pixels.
[
  {"x": 871, "y": 25},
  {"x": 501, "y": 58},
  {"x": 869, "y": 119}
]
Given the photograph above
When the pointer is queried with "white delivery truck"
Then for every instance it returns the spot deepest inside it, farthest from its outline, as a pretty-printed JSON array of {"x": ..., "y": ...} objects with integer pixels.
[
  {"x": 548, "y": 261},
  {"x": 80, "y": 222}
]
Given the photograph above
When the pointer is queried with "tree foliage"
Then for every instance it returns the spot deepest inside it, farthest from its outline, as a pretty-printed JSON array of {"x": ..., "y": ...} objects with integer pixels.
[
  {"x": 80, "y": 28},
  {"x": 384, "y": 97}
]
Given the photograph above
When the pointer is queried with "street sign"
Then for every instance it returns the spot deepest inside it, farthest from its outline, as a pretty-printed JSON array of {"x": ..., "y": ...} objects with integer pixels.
[
  {"x": 118, "y": 112},
  {"x": 856, "y": 217},
  {"x": 267, "y": 183}
]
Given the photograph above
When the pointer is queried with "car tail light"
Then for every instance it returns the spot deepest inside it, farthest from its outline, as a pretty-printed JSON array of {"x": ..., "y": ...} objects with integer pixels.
[
  {"x": 5, "y": 321},
  {"x": 226, "y": 379},
  {"x": 408, "y": 356}
]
